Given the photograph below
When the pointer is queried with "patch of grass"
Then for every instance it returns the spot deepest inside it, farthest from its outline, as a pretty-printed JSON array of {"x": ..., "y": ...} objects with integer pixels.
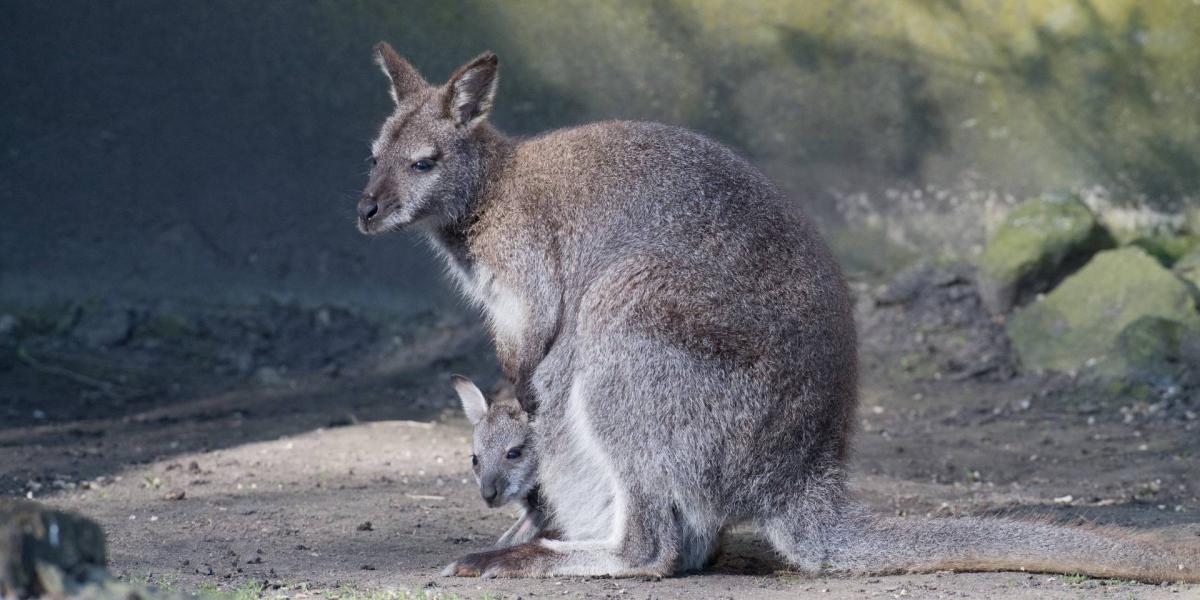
[
  {"x": 353, "y": 594},
  {"x": 1074, "y": 578},
  {"x": 247, "y": 590}
]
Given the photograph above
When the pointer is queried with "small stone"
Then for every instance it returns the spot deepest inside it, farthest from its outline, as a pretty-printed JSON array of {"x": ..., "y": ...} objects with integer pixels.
[
  {"x": 105, "y": 327},
  {"x": 365, "y": 526},
  {"x": 175, "y": 494},
  {"x": 8, "y": 325},
  {"x": 269, "y": 376}
]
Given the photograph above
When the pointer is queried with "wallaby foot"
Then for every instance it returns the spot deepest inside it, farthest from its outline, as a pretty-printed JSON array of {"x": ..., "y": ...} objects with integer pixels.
[
  {"x": 647, "y": 544},
  {"x": 550, "y": 558},
  {"x": 523, "y": 560}
]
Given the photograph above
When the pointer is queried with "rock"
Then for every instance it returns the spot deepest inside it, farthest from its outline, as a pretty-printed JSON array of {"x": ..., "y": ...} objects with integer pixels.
[
  {"x": 1156, "y": 348},
  {"x": 1168, "y": 249},
  {"x": 1039, "y": 243},
  {"x": 269, "y": 376},
  {"x": 1082, "y": 321},
  {"x": 9, "y": 325},
  {"x": 104, "y": 327},
  {"x": 44, "y": 551},
  {"x": 1188, "y": 269}
]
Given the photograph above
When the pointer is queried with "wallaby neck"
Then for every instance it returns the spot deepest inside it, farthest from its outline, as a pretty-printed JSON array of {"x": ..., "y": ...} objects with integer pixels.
[{"x": 451, "y": 237}]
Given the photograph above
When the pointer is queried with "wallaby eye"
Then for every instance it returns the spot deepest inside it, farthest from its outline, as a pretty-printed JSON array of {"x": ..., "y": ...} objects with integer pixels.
[
  {"x": 513, "y": 454},
  {"x": 422, "y": 165},
  {"x": 474, "y": 461}
]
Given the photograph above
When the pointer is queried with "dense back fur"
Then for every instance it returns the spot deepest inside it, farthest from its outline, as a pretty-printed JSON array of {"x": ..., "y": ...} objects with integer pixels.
[{"x": 685, "y": 340}]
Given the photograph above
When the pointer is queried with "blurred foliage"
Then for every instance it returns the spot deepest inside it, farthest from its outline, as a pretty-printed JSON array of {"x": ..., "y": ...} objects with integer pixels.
[
  {"x": 1034, "y": 94},
  {"x": 198, "y": 141}
]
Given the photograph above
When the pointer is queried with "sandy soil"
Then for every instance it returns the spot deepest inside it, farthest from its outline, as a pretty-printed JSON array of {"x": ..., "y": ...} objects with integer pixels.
[{"x": 354, "y": 481}]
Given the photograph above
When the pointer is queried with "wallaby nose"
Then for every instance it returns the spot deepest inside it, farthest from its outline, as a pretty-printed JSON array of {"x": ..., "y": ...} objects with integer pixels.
[{"x": 367, "y": 207}]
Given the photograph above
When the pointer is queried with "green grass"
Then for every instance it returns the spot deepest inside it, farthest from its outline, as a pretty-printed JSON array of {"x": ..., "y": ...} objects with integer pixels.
[
  {"x": 352, "y": 594},
  {"x": 1074, "y": 578}
]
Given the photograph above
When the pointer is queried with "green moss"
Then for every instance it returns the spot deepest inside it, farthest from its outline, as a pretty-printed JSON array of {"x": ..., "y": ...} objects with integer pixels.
[
  {"x": 1188, "y": 268},
  {"x": 1157, "y": 347},
  {"x": 170, "y": 326},
  {"x": 1037, "y": 239},
  {"x": 1083, "y": 319},
  {"x": 1168, "y": 249}
]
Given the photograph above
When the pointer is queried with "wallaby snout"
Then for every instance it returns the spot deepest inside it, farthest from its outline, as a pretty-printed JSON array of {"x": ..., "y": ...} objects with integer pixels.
[{"x": 367, "y": 208}]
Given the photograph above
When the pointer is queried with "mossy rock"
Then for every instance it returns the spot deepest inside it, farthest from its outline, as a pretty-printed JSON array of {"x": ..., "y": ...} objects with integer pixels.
[
  {"x": 1082, "y": 321},
  {"x": 1038, "y": 244},
  {"x": 1188, "y": 269},
  {"x": 1168, "y": 249},
  {"x": 1154, "y": 347}
]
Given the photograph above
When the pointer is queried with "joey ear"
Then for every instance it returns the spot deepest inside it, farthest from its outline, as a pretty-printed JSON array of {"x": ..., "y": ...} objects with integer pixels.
[
  {"x": 471, "y": 89},
  {"x": 473, "y": 401},
  {"x": 404, "y": 77}
]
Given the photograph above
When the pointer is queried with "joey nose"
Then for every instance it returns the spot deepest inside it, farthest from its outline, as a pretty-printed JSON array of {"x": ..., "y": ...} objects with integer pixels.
[
  {"x": 489, "y": 492},
  {"x": 367, "y": 207}
]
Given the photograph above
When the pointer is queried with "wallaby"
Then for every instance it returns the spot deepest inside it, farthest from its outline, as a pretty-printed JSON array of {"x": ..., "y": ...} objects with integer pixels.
[
  {"x": 685, "y": 342},
  {"x": 503, "y": 458}
]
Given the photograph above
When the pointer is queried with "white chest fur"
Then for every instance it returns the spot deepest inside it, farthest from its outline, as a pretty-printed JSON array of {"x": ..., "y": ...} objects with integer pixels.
[{"x": 506, "y": 311}]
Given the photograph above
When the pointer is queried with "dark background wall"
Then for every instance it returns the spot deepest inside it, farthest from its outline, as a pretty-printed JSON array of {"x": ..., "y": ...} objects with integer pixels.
[{"x": 213, "y": 150}]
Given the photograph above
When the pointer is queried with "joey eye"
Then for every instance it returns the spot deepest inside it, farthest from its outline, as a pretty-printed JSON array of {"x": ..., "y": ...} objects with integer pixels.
[
  {"x": 422, "y": 165},
  {"x": 374, "y": 161},
  {"x": 513, "y": 454},
  {"x": 474, "y": 461}
]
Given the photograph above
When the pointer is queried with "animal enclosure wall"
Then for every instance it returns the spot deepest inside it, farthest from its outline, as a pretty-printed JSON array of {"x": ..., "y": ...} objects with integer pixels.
[{"x": 214, "y": 149}]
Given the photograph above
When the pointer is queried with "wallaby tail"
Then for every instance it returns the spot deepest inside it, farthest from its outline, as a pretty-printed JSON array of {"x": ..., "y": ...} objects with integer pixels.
[{"x": 882, "y": 545}]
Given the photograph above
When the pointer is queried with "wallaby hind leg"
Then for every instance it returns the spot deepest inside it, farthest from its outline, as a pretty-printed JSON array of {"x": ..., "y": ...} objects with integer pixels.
[
  {"x": 645, "y": 544},
  {"x": 811, "y": 523}
]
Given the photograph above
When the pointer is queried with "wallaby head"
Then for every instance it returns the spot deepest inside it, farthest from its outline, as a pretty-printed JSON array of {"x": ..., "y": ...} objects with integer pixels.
[
  {"x": 502, "y": 458},
  {"x": 427, "y": 161}
]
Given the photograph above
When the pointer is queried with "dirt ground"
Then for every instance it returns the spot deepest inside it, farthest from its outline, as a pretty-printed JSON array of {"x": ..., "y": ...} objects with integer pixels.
[{"x": 328, "y": 458}]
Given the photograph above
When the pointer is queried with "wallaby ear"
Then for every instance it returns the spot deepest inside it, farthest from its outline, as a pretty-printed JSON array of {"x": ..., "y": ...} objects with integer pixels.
[
  {"x": 473, "y": 401},
  {"x": 471, "y": 89},
  {"x": 404, "y": 77}
]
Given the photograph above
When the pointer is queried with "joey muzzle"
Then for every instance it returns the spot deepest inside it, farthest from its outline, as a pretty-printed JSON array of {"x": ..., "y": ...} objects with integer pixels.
[{"x": 489, "y": 489}]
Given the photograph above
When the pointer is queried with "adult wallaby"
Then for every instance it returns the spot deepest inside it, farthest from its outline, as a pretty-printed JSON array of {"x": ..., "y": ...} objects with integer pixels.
[
  {"x": 503, "y": 458},
  {"x": 686, "y": 341}
]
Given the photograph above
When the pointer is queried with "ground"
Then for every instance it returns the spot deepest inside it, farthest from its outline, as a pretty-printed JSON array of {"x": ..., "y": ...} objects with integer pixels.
[{"x": 345, "y": 473}]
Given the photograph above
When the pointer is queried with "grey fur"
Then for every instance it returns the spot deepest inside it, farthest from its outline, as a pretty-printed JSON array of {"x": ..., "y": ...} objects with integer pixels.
[
  {"x": 686, "y": 343},
  {"x": 502, "y": 427}
]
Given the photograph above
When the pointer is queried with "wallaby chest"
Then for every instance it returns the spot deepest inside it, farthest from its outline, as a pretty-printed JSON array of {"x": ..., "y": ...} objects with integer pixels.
[{"x": 490, "y": 286}]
